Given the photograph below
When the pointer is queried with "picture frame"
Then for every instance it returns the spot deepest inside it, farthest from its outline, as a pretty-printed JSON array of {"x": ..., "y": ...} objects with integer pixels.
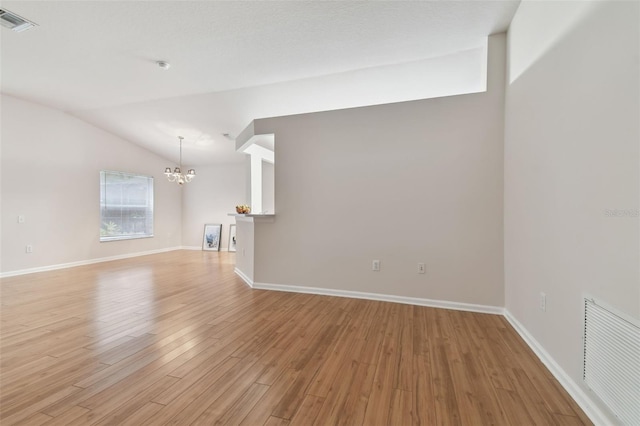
[
  {"x": 232, "y": 237},
  {"x": 211, "y": 237}
]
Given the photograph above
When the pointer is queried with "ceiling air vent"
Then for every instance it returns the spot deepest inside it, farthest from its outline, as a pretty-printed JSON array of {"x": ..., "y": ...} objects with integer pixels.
[{"x": 14, "y": 22}]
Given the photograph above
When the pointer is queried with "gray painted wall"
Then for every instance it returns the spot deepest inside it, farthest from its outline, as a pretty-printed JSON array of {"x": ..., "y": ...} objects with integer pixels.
[
  {"x": 209, "y": 198},
  {"x": 572, "y": 154},
  {"x": 403, "y": 183},
  {"x": 51, "y": 166}
]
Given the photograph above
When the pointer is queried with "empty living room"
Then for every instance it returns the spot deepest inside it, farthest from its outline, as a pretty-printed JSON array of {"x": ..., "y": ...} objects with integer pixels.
[{"x": 320, "y": 212}]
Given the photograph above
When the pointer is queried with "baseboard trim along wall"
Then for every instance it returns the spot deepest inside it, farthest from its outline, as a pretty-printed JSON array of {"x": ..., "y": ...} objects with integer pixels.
[
  {"x": 199, "y": 248},
  {"x": 97, "y": 260},
  {"x": 85, "y": 262},
  {"x": 458, "y": 306},
  {"x": 245, "y": 278},
  {"x": 579, "y": 396}
]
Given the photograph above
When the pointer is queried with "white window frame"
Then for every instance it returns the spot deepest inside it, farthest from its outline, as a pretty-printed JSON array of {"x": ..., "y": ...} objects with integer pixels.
[{"x": 118, "y": 225}]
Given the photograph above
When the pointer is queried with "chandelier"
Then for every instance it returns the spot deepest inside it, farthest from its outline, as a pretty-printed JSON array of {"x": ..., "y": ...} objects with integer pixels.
[{"x": 176, "y": 175}]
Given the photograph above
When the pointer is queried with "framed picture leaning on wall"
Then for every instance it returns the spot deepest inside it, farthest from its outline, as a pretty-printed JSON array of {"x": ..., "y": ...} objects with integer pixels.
[
  {"x": 232, "y": 237},
  {"x": 211, "y": 237}
]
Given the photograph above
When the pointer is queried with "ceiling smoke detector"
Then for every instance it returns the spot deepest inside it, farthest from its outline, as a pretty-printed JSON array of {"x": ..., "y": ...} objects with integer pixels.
[
  {"x": 164, "y": 65},
  {"x": 15, "y": 22}
]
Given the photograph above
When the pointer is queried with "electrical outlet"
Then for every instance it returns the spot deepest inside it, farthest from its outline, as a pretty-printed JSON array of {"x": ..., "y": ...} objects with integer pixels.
[
  {"x": 375, "y": 265},
  {"x": 28, "y": 248},
  {"x": 21, "y": 219},
  {"x": 421, "y": 268},
  {"x": 543, "y": 302}
]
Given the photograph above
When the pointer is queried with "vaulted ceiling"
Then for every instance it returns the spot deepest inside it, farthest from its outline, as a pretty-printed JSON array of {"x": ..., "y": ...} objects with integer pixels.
[{"x": 233, "y": 61}]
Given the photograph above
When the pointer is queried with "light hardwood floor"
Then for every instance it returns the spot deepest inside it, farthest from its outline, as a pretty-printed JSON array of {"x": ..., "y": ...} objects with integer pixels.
[{"x": 177, "y": 338}]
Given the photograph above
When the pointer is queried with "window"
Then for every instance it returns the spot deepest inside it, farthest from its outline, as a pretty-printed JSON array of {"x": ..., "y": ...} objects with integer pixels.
[{"x": 126, "y": 206}]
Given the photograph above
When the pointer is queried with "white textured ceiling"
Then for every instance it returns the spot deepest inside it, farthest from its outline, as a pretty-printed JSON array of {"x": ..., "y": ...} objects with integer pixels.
[{"x": 231, "y": 61}]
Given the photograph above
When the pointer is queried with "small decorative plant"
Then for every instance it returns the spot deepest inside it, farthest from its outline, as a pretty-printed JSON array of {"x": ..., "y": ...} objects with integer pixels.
[{"x": 109, "y": 229}]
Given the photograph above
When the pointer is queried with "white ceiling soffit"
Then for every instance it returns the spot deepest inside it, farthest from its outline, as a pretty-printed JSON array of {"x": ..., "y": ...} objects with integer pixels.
[
  {"x": 202, "y": 119},
  {"x": 232, "y": 62}
]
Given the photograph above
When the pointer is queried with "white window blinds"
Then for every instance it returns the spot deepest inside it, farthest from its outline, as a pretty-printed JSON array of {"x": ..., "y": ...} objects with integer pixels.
[{"x": 126, "y": 206}]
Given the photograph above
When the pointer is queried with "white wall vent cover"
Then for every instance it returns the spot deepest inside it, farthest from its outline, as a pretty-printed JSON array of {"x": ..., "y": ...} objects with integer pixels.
[
  {"x": 612, "y": 360},
  {"x": 14, "y": 22}
]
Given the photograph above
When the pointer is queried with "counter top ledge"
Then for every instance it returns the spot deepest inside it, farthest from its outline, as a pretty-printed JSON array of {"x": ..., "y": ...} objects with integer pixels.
[{"x": 265, "y": 218}]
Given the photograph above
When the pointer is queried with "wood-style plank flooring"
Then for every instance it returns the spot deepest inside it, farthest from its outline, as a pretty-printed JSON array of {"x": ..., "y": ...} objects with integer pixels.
[{"x": 177, "y": 338}]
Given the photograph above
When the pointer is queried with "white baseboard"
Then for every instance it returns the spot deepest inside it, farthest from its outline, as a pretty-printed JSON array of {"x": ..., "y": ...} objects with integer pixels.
[
  {"x": 84, "y": 262},
  {"x": 97, "y": 260},
  {"x": 458, "y": 306},
  {"x": 199, "y": 248},
  {"x": 578, "y": 394},
  {"x": 245, "y": 278}
]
